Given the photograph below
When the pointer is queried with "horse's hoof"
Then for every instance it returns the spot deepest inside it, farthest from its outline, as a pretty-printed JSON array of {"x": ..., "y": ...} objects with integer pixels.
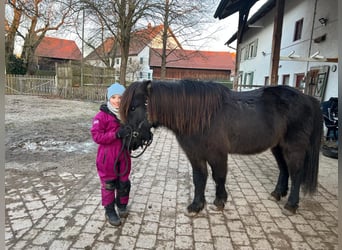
[
  {"x": 289, "y": 210},
  {"x": 274, "y": 196},
  {"x": 190, "y": 214},
  {"x": 193, "y": 209},
  {"x": 216, "y": 208},
  {"x": 218, "y": 205}
]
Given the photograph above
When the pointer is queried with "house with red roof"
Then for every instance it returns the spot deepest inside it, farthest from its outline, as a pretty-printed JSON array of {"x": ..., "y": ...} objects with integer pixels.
[
  {"x": 142, "y": 41},
  {"x": 193, "y": 64},
  {"x": 144, "y": 60},
  {"x": 53, "y": 50}
]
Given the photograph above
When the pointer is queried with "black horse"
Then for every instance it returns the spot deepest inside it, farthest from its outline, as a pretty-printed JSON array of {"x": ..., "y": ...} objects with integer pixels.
[{"x": 210, "y": 121}]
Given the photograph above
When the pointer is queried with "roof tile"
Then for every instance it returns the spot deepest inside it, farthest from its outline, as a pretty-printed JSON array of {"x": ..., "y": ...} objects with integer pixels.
[
  {"x": 58, "y": 48},
  {"x": 194, "y": 59}
]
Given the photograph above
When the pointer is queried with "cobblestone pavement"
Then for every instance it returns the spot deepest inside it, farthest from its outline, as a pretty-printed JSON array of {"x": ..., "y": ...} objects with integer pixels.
[{"x": 42, "y": 213}]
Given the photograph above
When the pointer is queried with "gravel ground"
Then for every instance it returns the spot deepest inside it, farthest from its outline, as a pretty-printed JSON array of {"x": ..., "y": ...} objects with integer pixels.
[{"x": 48, "y": 133}]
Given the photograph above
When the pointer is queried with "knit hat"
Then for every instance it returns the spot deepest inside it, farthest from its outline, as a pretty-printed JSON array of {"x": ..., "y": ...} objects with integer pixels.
[{"x": 115, "y": 89}]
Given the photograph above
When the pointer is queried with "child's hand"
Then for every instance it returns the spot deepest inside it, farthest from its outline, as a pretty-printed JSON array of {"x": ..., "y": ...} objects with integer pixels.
[{"x": 123, "y": 132}]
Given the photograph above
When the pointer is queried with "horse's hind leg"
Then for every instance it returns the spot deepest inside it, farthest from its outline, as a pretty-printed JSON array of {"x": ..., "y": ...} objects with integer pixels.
[
  {"x": 295, "y": 162},
  {"x": 219, "y": 172},
  {"x": 293, "y": 200},
  {"x": 283, "y": 178},
  {"x": 294, "y": 156},
  {"x": 200, "y": 175}
]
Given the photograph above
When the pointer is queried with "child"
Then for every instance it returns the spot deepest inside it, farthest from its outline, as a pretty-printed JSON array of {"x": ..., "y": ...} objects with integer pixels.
[{"x": 113, "y": 164}]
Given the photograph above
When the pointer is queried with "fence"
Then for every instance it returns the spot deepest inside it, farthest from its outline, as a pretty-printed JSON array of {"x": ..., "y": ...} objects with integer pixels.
[
  {"x": 69, "y": 74},
  {"x": 30, "y": 85},
  {"x": 47, "y": 85}
]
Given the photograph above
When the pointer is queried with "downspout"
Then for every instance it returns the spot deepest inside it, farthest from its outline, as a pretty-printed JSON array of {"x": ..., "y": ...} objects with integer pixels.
[{"x": 311, "y": 36}]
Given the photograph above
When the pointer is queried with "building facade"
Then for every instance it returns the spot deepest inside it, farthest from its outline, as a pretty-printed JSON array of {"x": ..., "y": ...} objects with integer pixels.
[{"x": 308, "y": 51}]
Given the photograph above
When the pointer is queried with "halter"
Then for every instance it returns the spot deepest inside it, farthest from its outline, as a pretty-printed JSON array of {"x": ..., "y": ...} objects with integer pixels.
[
  {"x": 132, "y": 134},
  {"x": 135, "y": 134}
]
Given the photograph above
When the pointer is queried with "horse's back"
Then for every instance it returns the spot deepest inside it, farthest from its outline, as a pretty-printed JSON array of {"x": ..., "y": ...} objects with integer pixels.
[{"x": 260, "y": 119}]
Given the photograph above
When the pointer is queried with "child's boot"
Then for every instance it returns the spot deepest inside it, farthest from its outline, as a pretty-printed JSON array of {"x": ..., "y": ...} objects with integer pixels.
[
  {"x": 122, "y": 198},
  {"x": 111, "y": 215},
  {"x": 123, "y": 211}
]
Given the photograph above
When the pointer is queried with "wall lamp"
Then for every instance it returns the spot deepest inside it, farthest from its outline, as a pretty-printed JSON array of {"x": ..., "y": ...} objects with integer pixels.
[{"x": 323, "y": 20}]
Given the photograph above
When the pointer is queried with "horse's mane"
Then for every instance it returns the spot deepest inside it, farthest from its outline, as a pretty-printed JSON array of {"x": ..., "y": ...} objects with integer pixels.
[
  {"x": 186, "y": 107},
  {"x": 126, "y": 100}
]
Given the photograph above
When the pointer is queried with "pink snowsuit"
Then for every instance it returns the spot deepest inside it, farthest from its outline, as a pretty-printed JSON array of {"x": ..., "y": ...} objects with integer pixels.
[{"x": 103, "y": 131}]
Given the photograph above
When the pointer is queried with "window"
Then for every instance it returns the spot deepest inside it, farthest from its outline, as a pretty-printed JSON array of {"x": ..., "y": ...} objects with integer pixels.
[
  {"x": 266, "y": 80},
  {"x": 141, "y": 75},
  {"x": 252, "y": 49},
  {"x": 117, "y": 60},
  {"x": 248, "y": 78},
  {"x": 148, "y": 75},
  {"x": 243, "y": 54},
  {"x": 130, "y": 60},
  {"x": 141, "y": 60},
  {"x": 286, "y": 80},
  {"x": 299, "y": 80},
  {"x": 298, "y": 30},
  {"x": 240, "y": 77}
]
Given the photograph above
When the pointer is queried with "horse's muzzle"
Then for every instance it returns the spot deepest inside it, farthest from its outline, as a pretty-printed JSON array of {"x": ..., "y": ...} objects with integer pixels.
[{"x": 138, "y": 138}]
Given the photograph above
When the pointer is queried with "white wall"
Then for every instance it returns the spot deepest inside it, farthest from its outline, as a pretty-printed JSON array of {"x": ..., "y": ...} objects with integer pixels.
[
  {"x": 312, "y": 28},
  {"x": 146, "y": 72},
  {"x": 260, "y": 65}
]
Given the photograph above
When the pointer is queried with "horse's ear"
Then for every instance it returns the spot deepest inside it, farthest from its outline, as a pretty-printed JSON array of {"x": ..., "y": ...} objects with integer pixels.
[{"x": 148, "y": 86}]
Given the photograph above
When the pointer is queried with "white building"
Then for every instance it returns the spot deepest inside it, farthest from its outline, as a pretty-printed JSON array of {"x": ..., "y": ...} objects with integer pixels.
[
  {"x": 308, "y": 50},
  {"x": 142, "y": 42}
]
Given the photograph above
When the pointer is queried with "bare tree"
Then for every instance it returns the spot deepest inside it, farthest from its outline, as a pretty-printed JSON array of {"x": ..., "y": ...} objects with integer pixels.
[
  {"x": 32, "y": 20},
  {"x": 120, "y": 18},
  {"x": 97, "y": 37},
  {"x": 186, "y": 19},
  {"x": 12, "y": 28}
]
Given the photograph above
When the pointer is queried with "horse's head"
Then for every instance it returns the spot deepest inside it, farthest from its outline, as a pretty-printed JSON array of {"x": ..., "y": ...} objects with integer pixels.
[{"x": 133, "y": 113}]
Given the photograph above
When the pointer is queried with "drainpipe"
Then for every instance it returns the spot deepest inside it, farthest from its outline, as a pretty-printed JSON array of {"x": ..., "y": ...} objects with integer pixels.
[{"x": 311, "y": 36}]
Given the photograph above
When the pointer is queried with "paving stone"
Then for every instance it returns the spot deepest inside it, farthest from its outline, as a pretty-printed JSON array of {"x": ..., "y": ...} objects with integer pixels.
[
  {"x": 50, "y": 215},
  {"x": 240, "y": 238},
  {"x": 130, "y": 229},
  {"x": 60, "y": 245},
  {"x": 184, "y": 242},
  {"x": 21, "y": 223},
  {"x": 146, "y": 241},
  {"x": 84, "y": 240},
  {"x": 43, "y": 237},
  {"x": 165, "y": 233},
  {"x": 56, "y": 224},
  {"x": 202, "y": 235}
]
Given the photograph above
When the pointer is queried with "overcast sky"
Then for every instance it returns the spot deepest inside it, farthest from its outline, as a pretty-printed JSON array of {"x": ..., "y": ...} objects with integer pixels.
[
  {"x": 219, "y": 32},
  {"x": 226, "y": 28}
]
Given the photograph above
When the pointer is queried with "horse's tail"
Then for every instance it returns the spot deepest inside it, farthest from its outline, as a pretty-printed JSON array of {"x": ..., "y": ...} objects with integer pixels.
[{"x": 311, "y": 163}]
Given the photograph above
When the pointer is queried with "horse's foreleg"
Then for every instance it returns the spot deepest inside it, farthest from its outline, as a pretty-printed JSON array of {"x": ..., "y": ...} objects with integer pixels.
[
  {"x": 283, "y": 178},
  {"x": 200, "y": 175},
  {"x": 219, "y": 173}
]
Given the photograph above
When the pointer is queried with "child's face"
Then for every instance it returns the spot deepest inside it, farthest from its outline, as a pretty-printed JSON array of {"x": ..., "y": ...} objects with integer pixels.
[{"x": 115, "y": 100}]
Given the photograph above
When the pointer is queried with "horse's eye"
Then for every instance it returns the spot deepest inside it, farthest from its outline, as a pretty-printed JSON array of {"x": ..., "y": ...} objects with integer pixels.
[{"x": 132, "y": 108}]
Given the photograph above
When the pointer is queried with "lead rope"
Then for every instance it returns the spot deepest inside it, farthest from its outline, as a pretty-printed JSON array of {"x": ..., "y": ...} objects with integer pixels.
[{"x": 116, "y": 167}]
